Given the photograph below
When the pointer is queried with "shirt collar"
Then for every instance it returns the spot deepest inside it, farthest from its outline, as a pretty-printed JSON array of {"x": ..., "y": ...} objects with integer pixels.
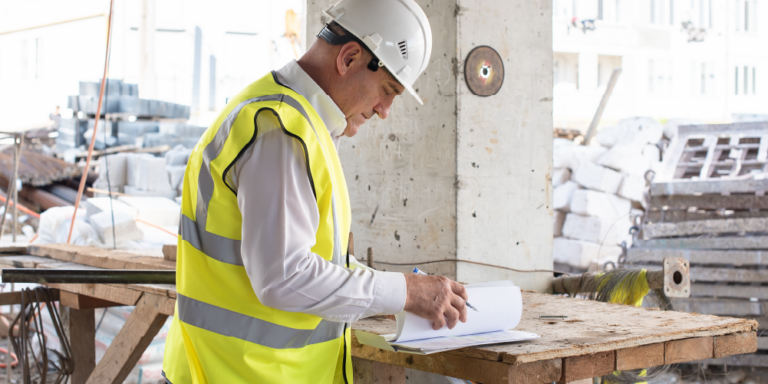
[{"x": 293, "y": 76}]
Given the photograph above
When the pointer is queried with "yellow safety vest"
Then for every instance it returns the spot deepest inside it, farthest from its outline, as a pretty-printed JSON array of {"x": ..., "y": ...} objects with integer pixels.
[{"x": 221, "y": 333}]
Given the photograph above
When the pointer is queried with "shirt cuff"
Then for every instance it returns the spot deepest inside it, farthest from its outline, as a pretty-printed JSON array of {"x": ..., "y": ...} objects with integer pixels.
[{"x": 389, "y": 293}]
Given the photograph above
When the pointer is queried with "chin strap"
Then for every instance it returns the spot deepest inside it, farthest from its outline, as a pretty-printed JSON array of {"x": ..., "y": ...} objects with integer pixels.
[{"x": 334, "y": 39}]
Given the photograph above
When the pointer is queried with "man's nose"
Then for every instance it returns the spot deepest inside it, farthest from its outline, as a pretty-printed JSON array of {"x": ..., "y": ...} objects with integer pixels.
[{"x": 382, "y": 109}]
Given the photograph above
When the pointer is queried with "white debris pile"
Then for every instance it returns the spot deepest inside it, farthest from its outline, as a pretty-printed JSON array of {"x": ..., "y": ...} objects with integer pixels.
[
  {"x": 126, "y": 222},
  {"x": 142, "y": 174},
  {"x": 599, "y": 189}
]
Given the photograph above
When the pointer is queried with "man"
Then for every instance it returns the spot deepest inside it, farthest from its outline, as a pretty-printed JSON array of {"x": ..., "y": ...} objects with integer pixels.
[{"x": 266, "y": 287}]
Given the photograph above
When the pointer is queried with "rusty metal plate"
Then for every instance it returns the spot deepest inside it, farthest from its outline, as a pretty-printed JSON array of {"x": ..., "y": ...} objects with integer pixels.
[
  {"x": 677, "y": 278},
  {"x": 484, "y": 71}
]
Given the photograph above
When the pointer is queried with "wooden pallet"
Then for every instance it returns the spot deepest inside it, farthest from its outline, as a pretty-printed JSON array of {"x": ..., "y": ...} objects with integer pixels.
[
  {"x": 712, "y": 172},
  {"x": 709, "y": 152}
]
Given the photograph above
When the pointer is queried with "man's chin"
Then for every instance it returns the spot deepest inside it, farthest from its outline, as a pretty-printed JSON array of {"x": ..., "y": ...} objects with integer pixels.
[{"x": 352, "y": 127}]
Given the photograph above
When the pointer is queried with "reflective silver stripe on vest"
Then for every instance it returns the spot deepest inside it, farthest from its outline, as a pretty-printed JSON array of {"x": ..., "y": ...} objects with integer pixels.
[
  {"x": 228, "y": 323},
  {"x": 194, "y": 231},
  {"x": 215, "y": 246}
]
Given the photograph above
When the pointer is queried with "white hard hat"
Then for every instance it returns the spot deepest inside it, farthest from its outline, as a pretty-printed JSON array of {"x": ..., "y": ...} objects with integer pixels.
[{"x": 397, "y": 32}]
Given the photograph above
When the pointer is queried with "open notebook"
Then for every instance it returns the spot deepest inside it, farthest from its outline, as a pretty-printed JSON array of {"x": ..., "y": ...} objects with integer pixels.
[{"x": 500, "y": 307}]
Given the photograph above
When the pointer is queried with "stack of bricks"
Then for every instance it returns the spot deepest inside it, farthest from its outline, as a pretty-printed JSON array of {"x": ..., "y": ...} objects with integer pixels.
[{"x": 599, "y": 191}]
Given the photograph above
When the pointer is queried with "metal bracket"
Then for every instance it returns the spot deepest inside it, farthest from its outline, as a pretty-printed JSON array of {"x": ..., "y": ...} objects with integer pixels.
[{"x": 677, "y": 278}]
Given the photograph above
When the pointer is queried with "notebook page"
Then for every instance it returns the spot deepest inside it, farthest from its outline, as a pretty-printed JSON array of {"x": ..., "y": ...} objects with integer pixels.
[{"x": 500, "y": 308}]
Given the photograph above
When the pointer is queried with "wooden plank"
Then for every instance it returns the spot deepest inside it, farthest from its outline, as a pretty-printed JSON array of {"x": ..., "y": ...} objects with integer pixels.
[
  {"x": 680, "y": 351},
  {"x": 729, "y": 275},
  {"x": 587, "y": 366},
  {"x": 677, "y": 215},
  {"x": 97, "y": 257},
  {"x": 80, "y": 328},
  {"x": 711, "y": 201},
  {"x": 129, "y": 344},
  {"x": 13, "y": 249},
  {"x": 23, "y": 261},
  {"x": 735, "y": 344},
  {"x": 737, "y": 258},
  {"x": 762, "y": 343},
  {"x": 730, "y": 291},
  {"x": 701, "y": 227},
  {"x": 540, "y": 372},
  {"x": 693, "y": 187},
  {"x": 169, "y": 252},
  {"x": 105, "y": 292},
  {"x": 372, "y": 372},
  {"x": 711, "y": 243},
  {"x": 644, "y": 356},
  {"x": 753, "y": 360},
  {"x": 461, "y": 367},
  {"x": 76, "y": 301},
  {"x": 10, "y": 298},
  {"x": 720, "y": 307},
  {"x": 591, "y": 327}
]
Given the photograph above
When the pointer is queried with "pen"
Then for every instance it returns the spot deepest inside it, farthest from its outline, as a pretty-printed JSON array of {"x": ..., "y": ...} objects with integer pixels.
[{"x": 419, "y": 272}]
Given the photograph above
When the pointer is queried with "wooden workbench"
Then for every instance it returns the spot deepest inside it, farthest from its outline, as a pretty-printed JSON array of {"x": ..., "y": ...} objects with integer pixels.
[{"x": 596, "y": 339}]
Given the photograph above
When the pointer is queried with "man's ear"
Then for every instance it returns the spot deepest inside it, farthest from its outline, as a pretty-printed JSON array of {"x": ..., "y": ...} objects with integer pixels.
[{"x": 350, "y": 56}]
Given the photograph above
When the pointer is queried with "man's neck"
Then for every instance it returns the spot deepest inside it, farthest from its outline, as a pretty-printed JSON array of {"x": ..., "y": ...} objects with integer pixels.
[{"x": 315, "y": 72}]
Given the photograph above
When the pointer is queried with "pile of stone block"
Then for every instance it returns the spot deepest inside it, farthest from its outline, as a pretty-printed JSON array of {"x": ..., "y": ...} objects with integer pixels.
[
  {"x": 142, "y": 174},
  {"x": 132, "y": 121},
  {"x": 599, "y": 189},
  {"x": 123, "y": 98}
]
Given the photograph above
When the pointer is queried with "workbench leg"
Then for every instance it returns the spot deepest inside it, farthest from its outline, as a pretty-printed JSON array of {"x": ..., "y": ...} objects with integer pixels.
[
  {"x": 131, "y": 342},
  {"x": 372, "y": 372},
  {"x": 80, "y": 328}
]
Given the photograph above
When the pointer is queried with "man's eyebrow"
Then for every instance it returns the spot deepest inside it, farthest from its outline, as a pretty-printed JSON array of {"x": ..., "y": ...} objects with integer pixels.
[{"x": 394, "y": 88}]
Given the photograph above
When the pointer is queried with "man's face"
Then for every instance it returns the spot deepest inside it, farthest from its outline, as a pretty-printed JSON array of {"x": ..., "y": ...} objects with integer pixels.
[{"x": 367, "y": 93}]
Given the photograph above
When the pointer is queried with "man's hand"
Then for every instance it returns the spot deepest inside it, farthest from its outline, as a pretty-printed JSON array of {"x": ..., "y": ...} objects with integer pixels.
[{"x": 436, "y": 298}]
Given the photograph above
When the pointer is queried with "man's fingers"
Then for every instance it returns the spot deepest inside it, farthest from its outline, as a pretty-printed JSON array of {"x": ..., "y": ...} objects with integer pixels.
[
  {"x": 459, "y": 290},
  {"x": 452, "y": 317},
  {"x": 438, "y": 323},
  {"x": 461, "y": 307}
]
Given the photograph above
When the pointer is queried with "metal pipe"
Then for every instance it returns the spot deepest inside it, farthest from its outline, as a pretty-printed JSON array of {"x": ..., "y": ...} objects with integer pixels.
[
  {"x": 572, "y": 284},
  {"x": 674, "y": 279},
  {"x": 88, "y": 276}
]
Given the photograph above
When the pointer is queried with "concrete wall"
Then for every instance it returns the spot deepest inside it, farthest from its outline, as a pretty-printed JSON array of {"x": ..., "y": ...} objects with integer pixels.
[
  {"x": 416, "y": 195},
  {"x": 403, "y": 169},
  {"x": 504, "y": 213}
]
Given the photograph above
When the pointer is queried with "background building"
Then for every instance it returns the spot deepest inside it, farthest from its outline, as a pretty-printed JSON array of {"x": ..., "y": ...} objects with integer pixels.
[
  {"x": 704, "y": 59},
  {"x": 194, "y": 52}
]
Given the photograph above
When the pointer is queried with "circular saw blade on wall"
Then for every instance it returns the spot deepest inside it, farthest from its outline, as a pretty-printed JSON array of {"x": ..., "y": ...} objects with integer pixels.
[{"x": 484, "y": 71}]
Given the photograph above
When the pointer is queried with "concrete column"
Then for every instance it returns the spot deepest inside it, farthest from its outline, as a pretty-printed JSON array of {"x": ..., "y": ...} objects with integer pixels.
[{"x": 462, "y": 177}]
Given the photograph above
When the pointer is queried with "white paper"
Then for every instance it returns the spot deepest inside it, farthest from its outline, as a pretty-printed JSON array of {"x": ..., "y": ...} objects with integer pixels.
[
  {"x": 500, "y": 307},
  {"x": 454, "y": 342}
]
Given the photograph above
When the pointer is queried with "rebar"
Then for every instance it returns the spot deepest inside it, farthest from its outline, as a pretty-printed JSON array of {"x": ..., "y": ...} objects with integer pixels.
[{"x": 88, "y": 276}]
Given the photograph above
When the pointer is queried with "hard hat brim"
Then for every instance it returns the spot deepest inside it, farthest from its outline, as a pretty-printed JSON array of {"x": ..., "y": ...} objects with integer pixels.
[{"x": 406, "y": 86}]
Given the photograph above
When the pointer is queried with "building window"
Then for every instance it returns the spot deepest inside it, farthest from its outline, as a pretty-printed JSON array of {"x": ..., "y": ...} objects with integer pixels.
[
  {"x": 703, "y": 81},
  {"x": 672, "y": 12},
  {"x": 736, "y": 83},
  {"x": 566, "y": 70},
  {"x": 660, "y": 76},
  {"x": 746, "y": 80},
  {"x": 754, "y": 82},
  {"x": 744, "y": 12}
]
